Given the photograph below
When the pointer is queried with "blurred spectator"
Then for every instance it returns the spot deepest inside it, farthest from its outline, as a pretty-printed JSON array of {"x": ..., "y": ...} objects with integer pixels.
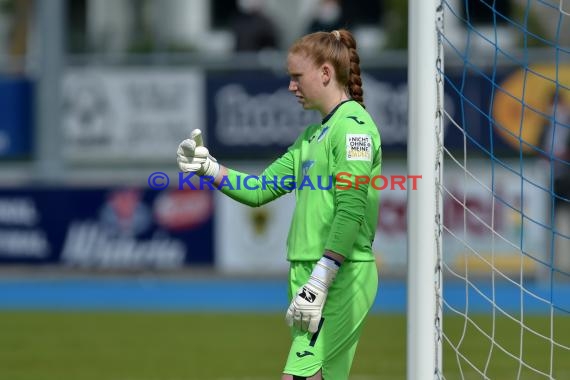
[
  {"x": 556, "y": 145},
  {"x": 328, "y": 17},
  {"x": 253, "y": 29}
]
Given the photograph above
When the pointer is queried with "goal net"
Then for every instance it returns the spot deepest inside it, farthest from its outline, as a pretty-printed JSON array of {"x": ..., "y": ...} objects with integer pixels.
[{"x": 505, "y": 189}]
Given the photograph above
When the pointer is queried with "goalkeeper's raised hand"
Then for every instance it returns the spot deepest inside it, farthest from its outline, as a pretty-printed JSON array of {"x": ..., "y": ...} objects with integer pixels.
[
  {"x": 306, "y": 309},
  {"x": 194, "y": 157}
]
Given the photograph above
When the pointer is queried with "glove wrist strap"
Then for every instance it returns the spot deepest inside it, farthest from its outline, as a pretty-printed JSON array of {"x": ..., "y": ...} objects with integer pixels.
[
  {"x": 324, "y": 273},
  {"x": 213, "y": 169}
]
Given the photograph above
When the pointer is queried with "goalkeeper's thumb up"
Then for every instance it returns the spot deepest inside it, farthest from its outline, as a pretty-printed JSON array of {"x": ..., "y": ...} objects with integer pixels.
[
  {"x": 196, "y": 135},
  {"x": 194, "y": 157}
]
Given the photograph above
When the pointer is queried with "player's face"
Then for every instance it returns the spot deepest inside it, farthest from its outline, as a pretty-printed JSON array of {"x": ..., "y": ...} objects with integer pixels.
[{"x": 306, "y": 81}]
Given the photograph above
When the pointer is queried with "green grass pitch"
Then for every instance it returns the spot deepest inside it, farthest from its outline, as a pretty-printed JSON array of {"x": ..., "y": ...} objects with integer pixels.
[{"x": 176, "y": 346}]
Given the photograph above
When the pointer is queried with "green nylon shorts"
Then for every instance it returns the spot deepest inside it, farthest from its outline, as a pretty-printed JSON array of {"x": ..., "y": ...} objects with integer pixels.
[{"x": 348, "y": 302}]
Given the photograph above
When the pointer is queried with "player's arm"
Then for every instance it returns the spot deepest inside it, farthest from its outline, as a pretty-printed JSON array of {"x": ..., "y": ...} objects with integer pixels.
[
  {"x": 352, "y": 173},
  {"x": 254, "y": 191}
]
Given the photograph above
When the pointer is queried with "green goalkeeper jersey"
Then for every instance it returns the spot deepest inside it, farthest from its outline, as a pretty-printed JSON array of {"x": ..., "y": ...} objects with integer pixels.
[{"x": 329, "y": 167}]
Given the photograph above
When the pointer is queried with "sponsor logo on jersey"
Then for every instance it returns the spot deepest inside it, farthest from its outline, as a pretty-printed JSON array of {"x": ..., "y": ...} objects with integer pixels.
[
  {"x": 304, "y": 353},
  {"x": 358, "y": 147}
]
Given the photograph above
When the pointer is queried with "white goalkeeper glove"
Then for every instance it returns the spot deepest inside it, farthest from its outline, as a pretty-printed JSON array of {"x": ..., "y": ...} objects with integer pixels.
[
  {"x": 306, "y": 308},
  {"x": 194, "y": 157}
]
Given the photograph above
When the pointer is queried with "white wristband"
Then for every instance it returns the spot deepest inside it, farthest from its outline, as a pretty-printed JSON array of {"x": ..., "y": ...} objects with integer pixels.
[{"x": 324, "y": 273}]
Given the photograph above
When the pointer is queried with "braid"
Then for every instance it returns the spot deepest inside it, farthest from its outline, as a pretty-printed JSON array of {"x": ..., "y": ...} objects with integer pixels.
[{"x": 354, "y": 83}]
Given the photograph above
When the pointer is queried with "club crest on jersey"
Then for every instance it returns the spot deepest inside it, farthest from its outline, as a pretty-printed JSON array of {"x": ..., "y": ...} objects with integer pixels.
[
  {"x": 358, "y": 147},
  {"x": 306, "y": 166},
  {"x": 322, "y": 134}
]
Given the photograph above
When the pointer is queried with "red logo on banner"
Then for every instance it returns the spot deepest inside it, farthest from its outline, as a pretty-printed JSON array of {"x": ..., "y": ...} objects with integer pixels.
[{"x": 184, "y": 209}]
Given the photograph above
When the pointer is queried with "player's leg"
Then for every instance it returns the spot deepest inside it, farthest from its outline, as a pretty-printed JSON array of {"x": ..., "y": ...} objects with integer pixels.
[
  {"x": 331, "y": 349},
  {"x": 352, "y": 298},
  {"x": 305, "y": 356}
]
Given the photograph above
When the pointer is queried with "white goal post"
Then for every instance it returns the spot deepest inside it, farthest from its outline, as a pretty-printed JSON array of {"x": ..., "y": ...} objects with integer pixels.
[{"x": 424, "y": 343}]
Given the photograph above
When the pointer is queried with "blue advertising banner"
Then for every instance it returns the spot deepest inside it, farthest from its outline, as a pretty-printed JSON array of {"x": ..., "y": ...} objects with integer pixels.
[
  {"x": 123, "y": 228},
  {"x": 16, "y": 117},
  {"x": 252, "y": 114},
  {"x": 470, "y": 123}
]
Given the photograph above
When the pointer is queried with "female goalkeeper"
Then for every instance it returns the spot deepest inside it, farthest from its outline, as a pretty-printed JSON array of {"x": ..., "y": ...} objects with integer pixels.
[{"x": 333, "y": 276}]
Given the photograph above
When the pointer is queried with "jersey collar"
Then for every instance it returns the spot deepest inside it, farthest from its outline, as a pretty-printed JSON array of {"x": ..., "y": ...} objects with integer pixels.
[{"x": 327, "y": 118}]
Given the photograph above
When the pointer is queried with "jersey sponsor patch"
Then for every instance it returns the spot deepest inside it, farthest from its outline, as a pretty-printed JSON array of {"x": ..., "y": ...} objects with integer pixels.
[{"x": 358, "y": 147}]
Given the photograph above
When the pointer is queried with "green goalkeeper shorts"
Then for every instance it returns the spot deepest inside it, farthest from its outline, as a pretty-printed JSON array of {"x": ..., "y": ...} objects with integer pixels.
[{"x": 348, "y": 302}]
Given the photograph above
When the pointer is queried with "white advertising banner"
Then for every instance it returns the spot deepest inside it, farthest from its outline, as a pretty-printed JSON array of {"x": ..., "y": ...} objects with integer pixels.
[
  {"x": 478, "y": 226},
  {"x": 129, "y": 114}
]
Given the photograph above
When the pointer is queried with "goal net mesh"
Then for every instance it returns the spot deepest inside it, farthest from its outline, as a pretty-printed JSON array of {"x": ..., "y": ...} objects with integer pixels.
[{"x": 505, "y": 189}]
